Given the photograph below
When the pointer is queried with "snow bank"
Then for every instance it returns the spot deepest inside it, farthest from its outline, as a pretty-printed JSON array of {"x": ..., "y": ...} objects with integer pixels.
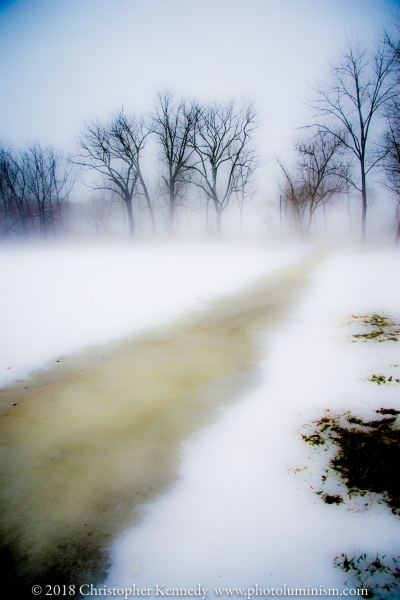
[
  {"x": 245, "y": 510},
  {"x": 59, "y": 300}
]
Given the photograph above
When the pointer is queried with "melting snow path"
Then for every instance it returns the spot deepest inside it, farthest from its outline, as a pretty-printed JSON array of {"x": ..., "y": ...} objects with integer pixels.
[
  {"x": 245, "y": 511},
  {"x": 79, "y": 442},
  {"x": 98, "y": 433}
]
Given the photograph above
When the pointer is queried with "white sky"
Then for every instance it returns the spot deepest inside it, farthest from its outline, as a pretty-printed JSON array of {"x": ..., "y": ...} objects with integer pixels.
[{"x": 63, "y": 61}]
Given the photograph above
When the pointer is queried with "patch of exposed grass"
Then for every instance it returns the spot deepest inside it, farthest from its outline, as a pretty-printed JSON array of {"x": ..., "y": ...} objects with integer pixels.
[
  {"x": 388, "y": 411},
  {"x": 380, "y": 576},
  {"x": 368, "y": 455},
  {"x": 315, "y": 439},
  {"x": 382, "y": 379},
  {"x": 379, "y": 379},
  {"x": 383, "y": 328},
  {"x": 332, "y": 498}
]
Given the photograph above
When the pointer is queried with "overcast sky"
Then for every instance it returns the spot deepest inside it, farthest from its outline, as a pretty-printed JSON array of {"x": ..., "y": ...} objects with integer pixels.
[{"x": 64, "y": 61}]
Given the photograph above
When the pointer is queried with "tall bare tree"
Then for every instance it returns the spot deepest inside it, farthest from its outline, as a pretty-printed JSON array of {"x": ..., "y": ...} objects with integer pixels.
[
  {"x": 390, "y": 145},
  {"x": 361, "y": 86},
  {"x": 114, "y": 150},
  {"x": 391, "y": 159},
  {"x": 222, "y": 140},
  {"x": 319, "y": 175},
  {"x": 174, "y": 124}
]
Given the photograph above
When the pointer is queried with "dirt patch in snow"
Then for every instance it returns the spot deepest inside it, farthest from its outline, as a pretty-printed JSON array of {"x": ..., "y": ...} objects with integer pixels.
[{"x": 368, "y": 455}]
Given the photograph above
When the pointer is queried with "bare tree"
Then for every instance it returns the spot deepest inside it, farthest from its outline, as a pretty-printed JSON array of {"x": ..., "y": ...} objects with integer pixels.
[
  {"x": 391, "y": 159},
  {"x": 16, "y": 214},
  {"x": 35, "y": 185},
  {"x": 319, "y": 175},
  {"x": 221, "y": 143},
  {"x": 174, "y": 124},
  {"x": 390, "y": 144},
  {"x": 293, "y": 198},
  {"x": 360, "y": 89},
  {"x": 114, "y": 150},
  {"x": 245, "y": 187},
  {"x": 323, "y": 170},
  {"x": 49, "y": 181}
]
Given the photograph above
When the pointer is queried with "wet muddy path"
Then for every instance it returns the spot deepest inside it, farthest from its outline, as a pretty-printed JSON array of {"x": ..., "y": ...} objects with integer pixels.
[{"x": 88, "y": 441}]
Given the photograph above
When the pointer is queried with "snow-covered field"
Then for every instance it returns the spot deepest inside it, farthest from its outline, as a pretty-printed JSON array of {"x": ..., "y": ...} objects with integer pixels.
[
  {"x": 60, "y": 300},
  {"x": 244, "y": 510}
]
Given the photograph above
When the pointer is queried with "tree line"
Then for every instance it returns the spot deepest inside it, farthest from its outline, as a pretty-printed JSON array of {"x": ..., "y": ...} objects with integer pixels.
[
  {"x": 203, "y": 146},
  {"x": 354, "y": 131},
  {"x": 207, "y": 151},
  {"x": 206, "y": 147}
]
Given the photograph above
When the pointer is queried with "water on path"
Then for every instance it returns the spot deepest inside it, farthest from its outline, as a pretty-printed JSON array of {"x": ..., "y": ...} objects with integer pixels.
[{"x": 88, "y": 441}]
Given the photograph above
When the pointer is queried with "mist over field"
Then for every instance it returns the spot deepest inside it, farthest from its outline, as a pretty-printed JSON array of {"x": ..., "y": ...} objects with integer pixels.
[
  {"x": 69, "y": 67},
  {"x": 199, "y": 242}
]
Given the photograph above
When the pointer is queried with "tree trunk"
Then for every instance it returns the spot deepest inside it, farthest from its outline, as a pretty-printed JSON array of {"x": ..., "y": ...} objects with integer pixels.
[
  {"x": 149, "y": 205},
  {"x": 349, "y": 210},
  {"x": 208, "y": 216},
  {"x": 306, "y": 230},
  {"x": 397, "y": 238},
  {"x": 128, "y": 204},
  {"x": 152, "y": 218},
  {"x": 42, "y": 222},
  {"x": 219, "y": 220},
  {"x": 364, "y": 204},
  {"x": 171, "y": 213}
]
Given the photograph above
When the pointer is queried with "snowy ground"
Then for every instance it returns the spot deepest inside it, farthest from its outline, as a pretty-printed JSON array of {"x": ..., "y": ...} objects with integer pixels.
[
  {"x": 245, "y": 510},
  {"x": 60, "y": 300}
]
